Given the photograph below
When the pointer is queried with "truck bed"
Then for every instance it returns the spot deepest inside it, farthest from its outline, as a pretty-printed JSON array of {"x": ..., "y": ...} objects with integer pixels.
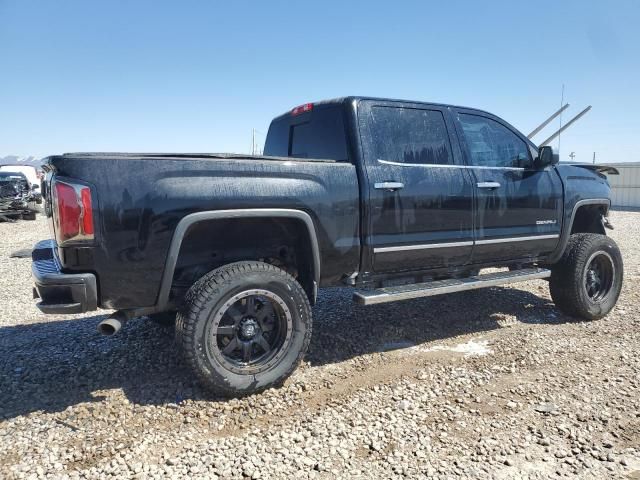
[{"x": 140, "y": 198}]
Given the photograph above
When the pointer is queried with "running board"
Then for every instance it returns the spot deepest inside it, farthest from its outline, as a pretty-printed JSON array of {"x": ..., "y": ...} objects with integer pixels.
[{"x": 438, "y": 287}]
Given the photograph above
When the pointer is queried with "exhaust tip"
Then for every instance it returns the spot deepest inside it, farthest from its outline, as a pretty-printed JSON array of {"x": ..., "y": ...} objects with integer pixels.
[
  {"x": 107, "y": 329},
  {"x": 112, "y": 325}
]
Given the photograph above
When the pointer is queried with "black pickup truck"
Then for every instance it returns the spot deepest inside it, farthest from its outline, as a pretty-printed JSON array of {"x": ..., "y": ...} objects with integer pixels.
[{"x": 395, "y": 199}]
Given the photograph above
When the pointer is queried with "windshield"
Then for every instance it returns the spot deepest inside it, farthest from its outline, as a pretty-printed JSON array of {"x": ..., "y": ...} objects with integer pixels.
[{"x": 11, "y": 176}]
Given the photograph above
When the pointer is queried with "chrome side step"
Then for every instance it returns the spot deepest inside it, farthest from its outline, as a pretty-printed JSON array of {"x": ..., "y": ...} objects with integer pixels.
[{"x": 438, "y": 287}]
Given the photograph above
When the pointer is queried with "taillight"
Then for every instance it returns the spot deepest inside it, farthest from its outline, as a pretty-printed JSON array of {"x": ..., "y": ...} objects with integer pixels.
[
  {"x": 87, "y": 212},
  {"x": 307, "y": 107},
  {"x": 72, "y": 212}
]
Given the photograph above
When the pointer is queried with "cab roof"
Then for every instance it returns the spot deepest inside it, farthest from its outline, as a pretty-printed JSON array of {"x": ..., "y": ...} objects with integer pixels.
[{"x": 358, "y": 98}]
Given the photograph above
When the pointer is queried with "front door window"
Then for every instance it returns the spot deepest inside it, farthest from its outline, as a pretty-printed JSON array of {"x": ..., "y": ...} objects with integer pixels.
[{"x": 491, "y": 144}]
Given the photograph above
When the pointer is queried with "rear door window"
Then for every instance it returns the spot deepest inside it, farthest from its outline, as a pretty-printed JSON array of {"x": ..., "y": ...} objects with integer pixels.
[
  {"x": 410, "y": 135},
  {"x": 317, "y": 134}
]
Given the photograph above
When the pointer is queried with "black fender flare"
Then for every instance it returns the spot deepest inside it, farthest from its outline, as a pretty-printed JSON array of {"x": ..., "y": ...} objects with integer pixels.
[
  {"x": 162, "y": 302},
  {"x": 568, "y": 225}
]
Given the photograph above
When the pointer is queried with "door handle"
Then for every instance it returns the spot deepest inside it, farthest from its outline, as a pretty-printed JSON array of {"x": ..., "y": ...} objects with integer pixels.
[
  {"x": 490, "y": 185},
  {"x": 390, "y": 186}
]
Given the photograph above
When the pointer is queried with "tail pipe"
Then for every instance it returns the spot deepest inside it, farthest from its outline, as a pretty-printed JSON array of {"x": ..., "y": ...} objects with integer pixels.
[{"x": 112, "y": 324}]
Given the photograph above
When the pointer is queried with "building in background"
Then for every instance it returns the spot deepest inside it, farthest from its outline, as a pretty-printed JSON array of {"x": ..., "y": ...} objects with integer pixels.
[{"x": 625, "y": 188}]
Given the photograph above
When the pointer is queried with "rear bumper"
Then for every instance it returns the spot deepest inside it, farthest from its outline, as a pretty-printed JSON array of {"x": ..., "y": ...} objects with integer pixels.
[{"x": 60, "y": 293}]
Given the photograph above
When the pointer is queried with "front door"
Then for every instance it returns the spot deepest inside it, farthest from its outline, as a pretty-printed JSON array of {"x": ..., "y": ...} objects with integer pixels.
[
  {"x": 518, "y": 207},
  {"x": 420, "y": 210}
]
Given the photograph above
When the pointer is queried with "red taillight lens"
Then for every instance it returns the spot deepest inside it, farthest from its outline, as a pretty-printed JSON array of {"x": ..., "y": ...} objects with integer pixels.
[
  {"x": 87, "y": 212},
  {"x": 68, "y": 211},
  {"x": 73, "y": 215},
  {"x": 307, "y": 107}
]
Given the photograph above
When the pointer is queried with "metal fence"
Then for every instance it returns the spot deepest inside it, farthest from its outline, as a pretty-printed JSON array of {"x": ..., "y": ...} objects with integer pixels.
[{"x": 626, "y": 186}]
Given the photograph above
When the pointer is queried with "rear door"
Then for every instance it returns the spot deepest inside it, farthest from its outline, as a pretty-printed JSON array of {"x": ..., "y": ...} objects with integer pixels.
[
  {"x": 420, "y": 200},
  {"x": 518, "y": 207}
]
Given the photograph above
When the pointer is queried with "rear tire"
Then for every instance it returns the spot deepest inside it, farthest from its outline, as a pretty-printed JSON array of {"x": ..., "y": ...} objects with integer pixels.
[
  {"x": 587, "y": 281},
  {"x": 244, "y": 327}
]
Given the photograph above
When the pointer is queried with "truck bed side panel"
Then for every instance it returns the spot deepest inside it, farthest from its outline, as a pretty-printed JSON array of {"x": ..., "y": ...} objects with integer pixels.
[{"x": 139, "y": 202}]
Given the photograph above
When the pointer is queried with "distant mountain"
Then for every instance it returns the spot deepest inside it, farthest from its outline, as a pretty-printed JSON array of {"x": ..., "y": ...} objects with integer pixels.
[{"x": 28, "y": 160}]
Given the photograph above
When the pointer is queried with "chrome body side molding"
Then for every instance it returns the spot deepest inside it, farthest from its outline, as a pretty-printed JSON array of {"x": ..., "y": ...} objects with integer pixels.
[
  {"x": 438, "y": 165},
  {"x": 401, "y": 248},
  {"x": 516, "y": 239}
]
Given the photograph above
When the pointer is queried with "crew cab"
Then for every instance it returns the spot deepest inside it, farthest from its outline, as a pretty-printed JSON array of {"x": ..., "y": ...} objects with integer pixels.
[{"x": 395, "y": 199}]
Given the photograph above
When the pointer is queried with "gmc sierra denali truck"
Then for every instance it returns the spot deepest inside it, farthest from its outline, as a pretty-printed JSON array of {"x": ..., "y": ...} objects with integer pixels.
[{"x": 395, "y": 199}]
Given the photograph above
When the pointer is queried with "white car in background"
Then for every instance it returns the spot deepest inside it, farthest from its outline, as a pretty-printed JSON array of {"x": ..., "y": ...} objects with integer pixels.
[
  {"x": 32, "y": 198},
  {"x": 29, "y": 171}
]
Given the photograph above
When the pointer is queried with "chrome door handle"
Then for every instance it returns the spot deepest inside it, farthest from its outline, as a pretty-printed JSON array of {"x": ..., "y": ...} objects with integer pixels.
[
  {"x": 488, "y": 185},
  {"x": 391, "y": 186}
]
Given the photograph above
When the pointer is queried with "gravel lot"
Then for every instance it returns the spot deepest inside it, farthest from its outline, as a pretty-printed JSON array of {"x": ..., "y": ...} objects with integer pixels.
[{"x": 492, "y": 383}]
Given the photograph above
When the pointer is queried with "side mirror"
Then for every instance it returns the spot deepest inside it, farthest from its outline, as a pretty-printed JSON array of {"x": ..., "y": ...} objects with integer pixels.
[{"x": 546, "y": 157}]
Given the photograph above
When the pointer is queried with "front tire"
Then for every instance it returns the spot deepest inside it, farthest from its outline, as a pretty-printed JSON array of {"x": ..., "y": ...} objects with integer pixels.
[
  {"x": 244, "y": 327},
  {"x": 587, "y": 281}
]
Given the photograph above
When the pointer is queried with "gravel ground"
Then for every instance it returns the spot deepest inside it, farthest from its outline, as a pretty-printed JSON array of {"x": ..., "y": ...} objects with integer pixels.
[{"x": 492, "y": 383}]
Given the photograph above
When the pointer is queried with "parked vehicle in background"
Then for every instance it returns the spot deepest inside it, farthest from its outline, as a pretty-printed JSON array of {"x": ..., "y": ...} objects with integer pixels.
[
  {"x": 17, "y": 198},
  {"x": 398, "y": 199},
  {"x": 32, "y": 197},
  {"x": 32, "y": 173}
]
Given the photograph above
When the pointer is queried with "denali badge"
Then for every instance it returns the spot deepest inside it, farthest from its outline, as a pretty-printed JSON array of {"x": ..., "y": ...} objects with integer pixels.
[{"x": 545, "y": 222}]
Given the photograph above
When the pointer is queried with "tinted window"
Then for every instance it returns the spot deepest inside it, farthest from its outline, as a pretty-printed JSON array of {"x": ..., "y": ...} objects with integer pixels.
[
  {"x": 410, "y": 135},
  {"x": 317, "y": 134},
  {"x": 492, "y": 144},
  {"x": 277, "y": 142}
]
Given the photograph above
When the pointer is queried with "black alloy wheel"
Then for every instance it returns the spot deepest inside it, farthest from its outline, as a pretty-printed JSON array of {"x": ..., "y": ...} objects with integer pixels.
[
  {"x": 250, "y": 332},
  {"x": 599, "y": 275}
]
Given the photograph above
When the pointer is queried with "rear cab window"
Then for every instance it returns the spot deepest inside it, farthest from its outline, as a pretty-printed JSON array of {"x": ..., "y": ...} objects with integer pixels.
[{"x": 318, "y": 133}]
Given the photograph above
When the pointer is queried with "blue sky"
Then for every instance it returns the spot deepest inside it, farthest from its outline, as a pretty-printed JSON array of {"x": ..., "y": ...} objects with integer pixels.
[{"x": 198, "y": 76}]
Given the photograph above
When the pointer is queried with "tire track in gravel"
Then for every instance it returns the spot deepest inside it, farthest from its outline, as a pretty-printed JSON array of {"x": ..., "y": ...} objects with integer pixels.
[{"x": 336, "y": 384}]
